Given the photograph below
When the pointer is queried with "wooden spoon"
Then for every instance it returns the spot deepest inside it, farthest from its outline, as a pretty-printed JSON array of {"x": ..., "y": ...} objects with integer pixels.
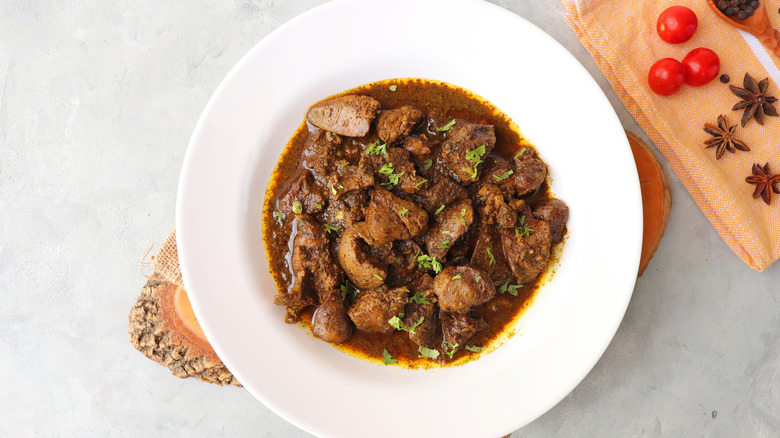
[{"x": 757, "y": 25}]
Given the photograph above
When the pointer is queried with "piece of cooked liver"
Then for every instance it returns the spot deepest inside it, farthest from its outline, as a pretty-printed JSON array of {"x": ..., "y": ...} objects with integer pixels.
[
  {"x": 527, "y": 255},
  {"x": 450, "y": 224},
  {"x": 530, "y": 172},
  {"x": 556, "y": 213},
  {"x": 458, "y": 328},
  {"x": 364, "y": 269},
  {"x": 458, "y": 288},
  {"x": 350, "y": 115},
  {"x": 462, "y": 138},
  {"x": 315, "y": 268},
  {"x": 389, "y": 217},
  {"x": 395, "y": 124},
  {"x": 372, "y": 309},
  {"x": 330, "y": 321},
  {"x": 488, "y": 254}
]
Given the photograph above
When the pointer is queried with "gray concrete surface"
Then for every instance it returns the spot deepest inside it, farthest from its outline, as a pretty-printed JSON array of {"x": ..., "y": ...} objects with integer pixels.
[{"x": 97, "y": 104}]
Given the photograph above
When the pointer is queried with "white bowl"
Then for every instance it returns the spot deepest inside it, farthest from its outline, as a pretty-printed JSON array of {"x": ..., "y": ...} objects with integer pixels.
[{"x": 469, "y": 43}]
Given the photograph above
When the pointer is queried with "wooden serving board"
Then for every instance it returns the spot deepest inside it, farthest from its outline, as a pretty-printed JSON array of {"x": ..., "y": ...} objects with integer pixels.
[{"x": 163, "y": 327}]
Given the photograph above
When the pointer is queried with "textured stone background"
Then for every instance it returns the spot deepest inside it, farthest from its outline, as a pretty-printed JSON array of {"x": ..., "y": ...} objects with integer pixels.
[{"x": 97, "y": 104}]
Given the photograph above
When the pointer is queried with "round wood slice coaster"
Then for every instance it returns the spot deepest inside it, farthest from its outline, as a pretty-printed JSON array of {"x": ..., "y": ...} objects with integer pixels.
[
  {"x": 163, "y": 327},
  {"x": 656, "y": 198}
]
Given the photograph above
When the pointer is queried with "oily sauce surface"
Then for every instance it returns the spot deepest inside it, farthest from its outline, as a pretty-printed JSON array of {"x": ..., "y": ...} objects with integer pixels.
[{"x": 441, "y": 102}]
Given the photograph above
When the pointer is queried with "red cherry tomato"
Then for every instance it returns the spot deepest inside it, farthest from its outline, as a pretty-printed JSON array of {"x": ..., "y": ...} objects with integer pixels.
[
  {"x": 701, "y": 66},
  {"x": 666, "y": 76},
  {"x": 677, "y": 24}
]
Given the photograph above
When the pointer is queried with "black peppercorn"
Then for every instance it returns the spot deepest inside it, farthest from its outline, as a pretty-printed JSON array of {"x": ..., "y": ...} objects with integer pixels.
[{"x": 724, "y": 78}]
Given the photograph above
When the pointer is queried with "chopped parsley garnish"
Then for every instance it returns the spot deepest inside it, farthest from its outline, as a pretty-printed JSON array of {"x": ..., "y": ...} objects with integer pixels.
[
  {"x": 506, "y": 175},
  {"x": 421, "y": 183},
  {"x": 511, "y": 288},
  {"x": 474, "y": 349},
  {"x": 525, "y": 231},
  {"x": 403, "y": 211},
  {"x": 447, "y": 126},
  {"x": 297, "y": 207},
  {"x": 426, "y": 262},
  {"x": 279, "y": 216},
  {"x": 522, "y": 219},
  {"x": 387, "y": 169},
  {"x": 436, "y": 265},
  {"x": 377, "y": 148},
  {"x": 427, "y": 164},
  {"x": 341, "y": 166},
  {"x": 392, "y": 180},
  {"x": 379, "y": 277},
  {"x": 387, "y": 359},
  {"x": 398, "y": 324},
  {"x": 453, "y": 349},
  {"x": 520, "y": 152},
  {"x": 419, "y": 298},
  {"x": 329, "y": 228},
  {"x": 446, "y": 232},
  {"x": 393, "y": 87},
  {"x": 319, "y": 206},
  {"x": 427, "y": 353},
  {"x": 463, "y": 216},
  {"x": 439, "y": 210},
  {"x": 457, "y": 276},
  {"x": 444, "y": 244},
  {"x": 333, "y": 190},
  {"x": 348, "y": 291},
  {"x": 475, "y": 156},
  {"x": 478, "y": 278},
  {"x": 492, "y": 257}
]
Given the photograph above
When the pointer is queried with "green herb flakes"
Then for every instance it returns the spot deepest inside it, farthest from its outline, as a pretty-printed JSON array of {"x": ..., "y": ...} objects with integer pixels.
[
  {"x": 377, "y": 148},
  {"x": 421, "y": 183},
  {"x": 439, "y": 210},
  {"x": 386, "y": 169},
  {"x": 403, "y": 212},
  {"x": 506, "y": 175},
  {"x": 519, "y": 153},
  {"x": 393, "y": 87},
  {"x": 348, "y": 291},
  {"x": 419, "y": 298},
  {"x": 475, "y": 156},
  {"x": 435, "y": 265},
  {"x": 444, "y": 244},
  {"x": 463, "y": 216},
  {"x": 427, "y": 164},
  {"x": 511, "y": 288},
  {"x": 474, "y": 348},
  {"x": 492, "y": 257},
  {"x": 447, "y": 126},
  {"x": 458, "y": 276},
  {"x": 427, "y": 353},
  {"x": 387, "y": 359},
  {"x": 279, "y": 216},
  {"x": 453, "y": 348},
  {"x": 397, "y": 323},
  {"x": 329, "y": 228},
  {"x": 379, "y": 277}
]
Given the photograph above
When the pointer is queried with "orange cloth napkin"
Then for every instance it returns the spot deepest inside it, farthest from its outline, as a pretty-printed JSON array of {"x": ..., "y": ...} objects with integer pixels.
[{"x": 621, "y": 36}]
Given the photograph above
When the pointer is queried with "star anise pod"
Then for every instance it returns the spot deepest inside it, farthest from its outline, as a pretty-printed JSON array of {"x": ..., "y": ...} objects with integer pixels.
[
  {"x": 723, "y": 138},
  {"x": 755, "y": 101},
  {"x": 765, "y": 182}
]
